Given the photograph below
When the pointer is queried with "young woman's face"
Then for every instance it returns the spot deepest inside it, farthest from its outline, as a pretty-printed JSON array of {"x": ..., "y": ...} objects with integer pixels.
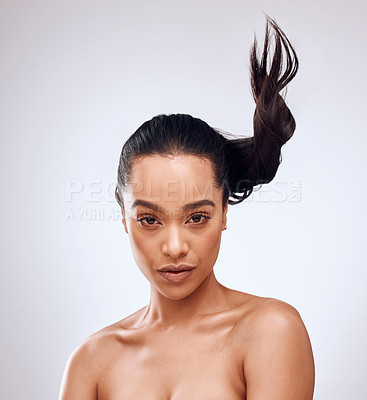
[{"x": 174, "y": 218}]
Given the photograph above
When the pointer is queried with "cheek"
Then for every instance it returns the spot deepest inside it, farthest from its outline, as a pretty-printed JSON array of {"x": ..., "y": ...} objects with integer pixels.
[
  {"x": 144, "y": 249},
  {"x": 207, "y": 246}
]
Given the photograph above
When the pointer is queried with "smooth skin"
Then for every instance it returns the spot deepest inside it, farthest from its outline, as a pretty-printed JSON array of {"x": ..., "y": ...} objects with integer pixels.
[{"x": 196, "y": 339}]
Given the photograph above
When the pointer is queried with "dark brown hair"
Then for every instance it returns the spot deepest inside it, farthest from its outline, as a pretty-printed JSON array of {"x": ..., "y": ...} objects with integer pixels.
[{"x": 239, "y": 164}]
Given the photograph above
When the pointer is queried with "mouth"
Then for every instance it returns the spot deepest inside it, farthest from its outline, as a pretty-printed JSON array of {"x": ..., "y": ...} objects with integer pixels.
[
  {"x": 176, "y": 268},
  {"x": 176, "y": 273}
]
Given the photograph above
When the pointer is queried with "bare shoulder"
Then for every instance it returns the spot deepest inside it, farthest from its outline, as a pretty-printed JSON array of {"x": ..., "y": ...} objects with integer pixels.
[
  {"x": 277, "y": 358},
  {"x": 257, "y": 313},
  {"x": 89, "y": 360},
  {"x": 267, "y": 313},
  {"x": 272, "y": 321},
  {"x": 82, "y": 369}
]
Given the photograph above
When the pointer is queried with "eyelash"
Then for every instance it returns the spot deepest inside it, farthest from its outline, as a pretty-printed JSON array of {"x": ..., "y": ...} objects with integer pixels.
[{"x": 205, "y": 217}]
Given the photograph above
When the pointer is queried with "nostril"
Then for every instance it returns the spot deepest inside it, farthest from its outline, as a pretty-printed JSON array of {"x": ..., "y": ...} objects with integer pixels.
[{"x": 174, "y": 247}]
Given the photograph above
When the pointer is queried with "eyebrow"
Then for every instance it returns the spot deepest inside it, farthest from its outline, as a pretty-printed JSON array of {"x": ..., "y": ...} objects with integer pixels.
[{"x": 186, "y": 207}]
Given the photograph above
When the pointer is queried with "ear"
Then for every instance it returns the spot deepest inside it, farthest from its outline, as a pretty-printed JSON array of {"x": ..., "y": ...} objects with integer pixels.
[
  {"x": 124, "y": 217},
  {"x": 124, "y": 222},
  {"x": 120, "y": 201},
  {"x": 224, "y": 219}
]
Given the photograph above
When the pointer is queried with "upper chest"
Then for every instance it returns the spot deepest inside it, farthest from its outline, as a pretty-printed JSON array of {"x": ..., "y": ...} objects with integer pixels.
[{"x": 175, "y": 365}]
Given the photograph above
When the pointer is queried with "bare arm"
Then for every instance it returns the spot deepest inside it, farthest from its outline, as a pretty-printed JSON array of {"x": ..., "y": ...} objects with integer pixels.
[
  {"x": 279, "y": 363},
  {"x": 79, "y": 381}
]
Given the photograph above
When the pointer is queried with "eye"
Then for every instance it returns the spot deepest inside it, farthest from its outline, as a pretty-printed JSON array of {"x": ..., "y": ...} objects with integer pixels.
[
  {"x": 147, "y": 221},
  {"x": 199, "y": 218}
]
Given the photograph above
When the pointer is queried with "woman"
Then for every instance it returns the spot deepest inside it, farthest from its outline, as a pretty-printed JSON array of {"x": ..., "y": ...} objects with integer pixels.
[{"x": 197, "y": 339}]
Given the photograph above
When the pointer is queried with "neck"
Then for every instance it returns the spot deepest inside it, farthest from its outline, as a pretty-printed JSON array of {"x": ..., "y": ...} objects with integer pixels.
[{"x": 208, "y": 298}]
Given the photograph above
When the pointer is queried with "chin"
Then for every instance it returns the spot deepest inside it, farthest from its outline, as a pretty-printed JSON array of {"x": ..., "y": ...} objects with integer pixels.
[
  {"x": 176, "y": 292},
  {"x": 180, "y": 291}
]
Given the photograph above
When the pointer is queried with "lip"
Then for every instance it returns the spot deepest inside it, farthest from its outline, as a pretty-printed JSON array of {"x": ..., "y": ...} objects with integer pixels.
[
  {"x": 176, "y": 268},
  {"x": 176, "y": 273}
]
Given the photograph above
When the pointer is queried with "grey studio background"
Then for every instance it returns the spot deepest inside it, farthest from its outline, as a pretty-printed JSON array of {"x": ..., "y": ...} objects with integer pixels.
[{"x": 78, "y": 77}]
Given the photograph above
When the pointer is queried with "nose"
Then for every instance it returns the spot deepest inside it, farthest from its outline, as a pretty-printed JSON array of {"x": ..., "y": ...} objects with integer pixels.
[{"x": 174, "y": 243}]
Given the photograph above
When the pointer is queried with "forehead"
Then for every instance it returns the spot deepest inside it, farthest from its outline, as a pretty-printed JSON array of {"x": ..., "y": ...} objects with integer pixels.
[{"x": 175, "y": 180}]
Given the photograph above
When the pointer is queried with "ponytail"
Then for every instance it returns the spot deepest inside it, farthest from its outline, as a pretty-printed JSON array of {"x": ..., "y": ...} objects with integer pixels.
[
  {"x": 239, "y": 163},
  {"x": 255, "y": 160}
]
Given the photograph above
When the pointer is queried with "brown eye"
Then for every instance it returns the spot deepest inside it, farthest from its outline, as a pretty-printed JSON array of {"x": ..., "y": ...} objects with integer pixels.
[
  {"x": 147, "y": 221},
  {"x": 199, "y": 218}
]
